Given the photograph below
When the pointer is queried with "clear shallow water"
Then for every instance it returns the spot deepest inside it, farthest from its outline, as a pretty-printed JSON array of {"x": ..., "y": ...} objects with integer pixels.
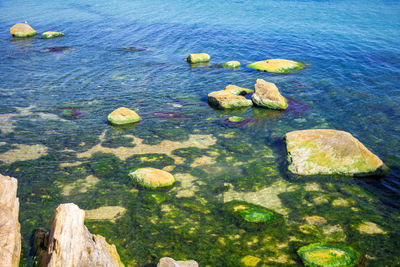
[{"x": 352, "y": 84}]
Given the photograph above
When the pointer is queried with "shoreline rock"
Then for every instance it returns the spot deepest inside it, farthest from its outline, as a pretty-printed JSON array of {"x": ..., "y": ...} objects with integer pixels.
[
  {"x": 330, "y": 152},
  {"x": 10, "y": 242},
  {"x": 267, "y": 95},
  {"x": 22, "y": 30}
]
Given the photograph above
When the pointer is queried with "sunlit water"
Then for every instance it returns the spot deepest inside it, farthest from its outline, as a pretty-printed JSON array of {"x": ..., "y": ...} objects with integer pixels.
[{"x": 55, "y": 96}]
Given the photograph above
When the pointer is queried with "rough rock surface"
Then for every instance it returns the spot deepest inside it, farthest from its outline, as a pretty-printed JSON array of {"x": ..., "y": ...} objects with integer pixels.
[
  {"x": 198, "y": 58},
  {"x": 71, "y": 244},
  {"x": 277, "y": 65},
  {"x": 10, "y": 236},
  {"x": 22, "y": 30},
  {"x": 224, "y": 99},
  {"x": 327, "y": 152},
  {"x": 122, "y": 116},
  {"x": 170, "y": 262},
  {"x": 267, "y": 95},
  {"x": 50, "y": 34},
  {"x": 152, "y": 178}
]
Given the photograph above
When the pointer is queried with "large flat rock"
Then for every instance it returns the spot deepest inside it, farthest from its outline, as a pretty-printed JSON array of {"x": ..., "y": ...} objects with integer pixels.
[
  {"x": 10, "y": 236},
  {"x": 330, "y": 152}
]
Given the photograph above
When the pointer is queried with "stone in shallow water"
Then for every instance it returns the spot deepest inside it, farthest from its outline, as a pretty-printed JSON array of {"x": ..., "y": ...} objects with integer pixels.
[
  {"x": 109, "y": 213},
  {"x": 152, "y": 178},
  {"x": 329, "y": 152},
  {"x": 232, "y": 64},
  {"x": 370, "y": 228},
  {"x": 122, "y": 116},
  {"x": 236, "y": 119},
  {"x": 170, "y": 262},
  {"x": 277, "y": 65},
  {"x": 225, "y": 100},
  {"x": 22, "y": 30},
  {"x": 50, "y": 34},
  {"x": 250, "y": 261},
  {"x": 267, "y": 95},
  {"x": 198, "y": 58},
  {"x": 56, "y": 49},
  {"x": 236, "y": 90},
  {"x": 322, "y": 254}
]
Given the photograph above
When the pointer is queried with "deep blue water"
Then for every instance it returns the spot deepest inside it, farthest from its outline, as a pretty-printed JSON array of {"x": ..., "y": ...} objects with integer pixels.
[{"x": 352, "y": 84}]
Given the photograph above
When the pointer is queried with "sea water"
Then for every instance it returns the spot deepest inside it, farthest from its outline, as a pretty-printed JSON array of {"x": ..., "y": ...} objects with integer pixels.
[{"x": 55, "y": 96}]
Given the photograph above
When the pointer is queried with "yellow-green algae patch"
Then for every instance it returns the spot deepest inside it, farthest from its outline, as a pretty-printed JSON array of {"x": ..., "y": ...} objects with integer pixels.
[
  {"x": 370, "y": 228},
  {"x": 23, "y": 152},
  {"x": 108, "y": 213},
  {"x": 277, "y": 65},
  {"x": 329, "y": 255},
  {"x": 80, "y": 185},
  {"x": 164, "y": 147},
  {"x": 250, "y": 261}
]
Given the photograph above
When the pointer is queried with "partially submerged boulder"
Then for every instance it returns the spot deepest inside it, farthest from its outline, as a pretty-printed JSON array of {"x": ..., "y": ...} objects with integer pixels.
[
  {"x": 267, "y": 95},
  {"x": 10, "y": 236},
  {"x": 251, "y": 215},
  {"x": 22, "y": 30},
  {"x": 71, "y": 244},
  {"x": 326, "y": 255},
  {"x": 236, "y": 90},
  {"x": 198, "y": 58},
  {"x": 50, "y": 34},
  {"x": 170, "y": 262},
  {"x": 277, "y": 65},
  {"x": 123, "y": 116},
  {"x": 330, "y": 152},
  {"x": 224, "y": 99},
  {"x": 152, "y": 178},
  {"x": 232, "y": 64}
]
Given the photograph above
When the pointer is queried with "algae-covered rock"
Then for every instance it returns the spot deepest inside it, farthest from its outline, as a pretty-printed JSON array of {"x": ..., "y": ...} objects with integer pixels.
[
  {"x": 170, "y": 262},
  {"x": 198, "y": 58},
  {"x": 22, "y": 30},
  {"x": 250, "y": 215},
  {"x": 224, "y": 99},
  {"x": 232, "y": 64},
  {"x": 327, "y": 255},
  {"x": 122, "y": 116},
  {"x": 152, "y": 178},
  {"x": 236, "y": 119},
  {"x": 236, "y": 90},
  {"x": 50, "y": 34},
  {"x": 277, "y": 65},
  {"x": 330, "y": 152},
  {"x": 267, "y": 95}
]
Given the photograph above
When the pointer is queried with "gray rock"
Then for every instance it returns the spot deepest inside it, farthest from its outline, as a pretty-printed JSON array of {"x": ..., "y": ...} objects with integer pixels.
[{"x": 170, "y": 262}]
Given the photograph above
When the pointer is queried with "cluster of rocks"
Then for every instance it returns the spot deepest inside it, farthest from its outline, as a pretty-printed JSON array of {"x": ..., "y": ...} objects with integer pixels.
[{"x": 22, "y": 30}]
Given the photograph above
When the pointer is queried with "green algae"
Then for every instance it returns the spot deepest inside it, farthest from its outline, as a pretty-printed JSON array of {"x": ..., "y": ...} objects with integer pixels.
[{"x": 235, "y": 119}]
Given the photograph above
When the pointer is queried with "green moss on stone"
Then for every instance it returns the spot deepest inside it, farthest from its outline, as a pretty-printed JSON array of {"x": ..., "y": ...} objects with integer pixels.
[{"x": 231, "y": 64}]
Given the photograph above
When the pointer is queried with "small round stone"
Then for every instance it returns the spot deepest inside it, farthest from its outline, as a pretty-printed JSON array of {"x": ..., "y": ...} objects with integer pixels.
[
  {"x": 122, "y": 116},
  {"x": 152, "y": 178}
]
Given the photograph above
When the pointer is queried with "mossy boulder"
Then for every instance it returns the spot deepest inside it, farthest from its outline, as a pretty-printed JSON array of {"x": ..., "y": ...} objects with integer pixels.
[
  {"x": 22, "y": 30},
  {"x": 267, "y": 95},
  {"x": 329, "y": 255},
  {"x": 224, "y": 99},
  {"x": 152, "y": 178},
  {"x": 249, "y": 215},
  {"x": 231, "y": 64},
  {"x": 50, "y": 34},
  {"x": 236, "y": 90},
  {"x": 277, "y": 65},
  {"x": 123, "y": 116},
  {"x": 198, "y": 58},
  {"x": 330, "y": 152}
]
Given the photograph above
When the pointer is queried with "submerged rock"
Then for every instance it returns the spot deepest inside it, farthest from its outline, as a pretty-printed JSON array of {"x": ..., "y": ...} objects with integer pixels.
[
  {"x": 50, "y": 34},
  {"x": 236, "y": 90},
  {"x": 250, "y": 261},
  {"x": 327, "y": 152},
  {"x": 322, "y": 254},
  {"x": 168, "y": 115},
  {"x": 198, "y": 58},
  {"x": 22, "y": 30},
  {"x": 224, "y": 99},
  {"x": 71, "y": 244},
  {"x": 55, "y": 49},
  {"x": 231, "y": 64},
  {"x": 236, "y": 119},
  {"x": 170, "y": 262},
  {"x": 133, "y": 49},
  {"x": 152, "y": 178},
  {"x": 122, "y": 116},
  {"x": 10, "y": 241},
  {"x": 251, "y": 215},
  {"x": 277, "y": 65},
  {"x": 267, "y": 95}
]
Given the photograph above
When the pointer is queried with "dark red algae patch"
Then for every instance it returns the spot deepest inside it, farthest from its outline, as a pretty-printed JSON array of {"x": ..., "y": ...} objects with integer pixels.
[
  {"x": 296, "y": 108},
  {"x": 246, "y": 121},
  {"x": 55, "y": 49},
  {"x": 71, "y": 113},
  {"x": 168, "y": 115}
]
